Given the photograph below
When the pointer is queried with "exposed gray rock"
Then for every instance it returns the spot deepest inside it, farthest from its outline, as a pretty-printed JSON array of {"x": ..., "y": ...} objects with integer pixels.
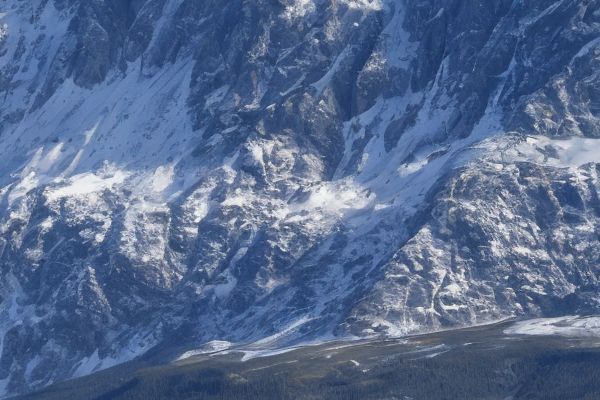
[{"x": 180, "y": 171}]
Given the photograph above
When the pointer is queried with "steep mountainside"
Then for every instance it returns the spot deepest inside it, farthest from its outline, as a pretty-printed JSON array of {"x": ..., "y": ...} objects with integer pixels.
[{"x": 180, "y": 171}]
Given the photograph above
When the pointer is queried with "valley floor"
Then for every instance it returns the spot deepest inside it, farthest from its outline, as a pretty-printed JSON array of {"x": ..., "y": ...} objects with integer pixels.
[{"x": 539, "y": 359}]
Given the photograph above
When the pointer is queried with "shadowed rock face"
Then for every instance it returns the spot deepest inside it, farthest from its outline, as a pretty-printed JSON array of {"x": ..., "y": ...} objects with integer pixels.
[{"x": 178, "y": 171}]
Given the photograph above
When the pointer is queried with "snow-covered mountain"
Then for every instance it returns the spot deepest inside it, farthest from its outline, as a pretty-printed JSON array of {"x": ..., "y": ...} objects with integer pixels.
[{"x": 180, "y": 171}]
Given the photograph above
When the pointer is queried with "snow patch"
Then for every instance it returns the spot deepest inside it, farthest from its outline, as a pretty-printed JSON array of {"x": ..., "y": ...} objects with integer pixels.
[
  {"x": 569, "y": 326},
  {"x": 84, "y": 184},
  {"x": 214, "y": 346},
  {"x": 573, "y": 152}
]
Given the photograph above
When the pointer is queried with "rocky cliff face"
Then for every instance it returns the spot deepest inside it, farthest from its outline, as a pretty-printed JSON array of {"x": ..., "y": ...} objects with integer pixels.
[{"x": 286, "y": 170}]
